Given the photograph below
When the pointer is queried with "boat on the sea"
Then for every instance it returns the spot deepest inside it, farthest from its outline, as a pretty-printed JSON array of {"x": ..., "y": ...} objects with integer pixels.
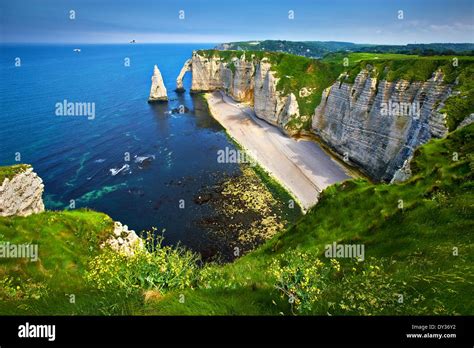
[{"x": 77, "y": 50}]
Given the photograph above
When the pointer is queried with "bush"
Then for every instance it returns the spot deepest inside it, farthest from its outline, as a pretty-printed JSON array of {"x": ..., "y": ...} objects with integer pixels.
[
  {"x": 300, "y": 277},
  {"x": 346, "y": 287},
  {"x": 155, "y": 267}
]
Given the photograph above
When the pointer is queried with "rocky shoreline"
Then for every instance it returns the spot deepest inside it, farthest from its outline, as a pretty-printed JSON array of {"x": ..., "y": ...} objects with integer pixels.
[{"x": 246, "y": 215}]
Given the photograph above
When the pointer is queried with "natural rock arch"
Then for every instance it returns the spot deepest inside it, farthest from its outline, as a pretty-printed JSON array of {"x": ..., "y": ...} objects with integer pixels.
[{"x": 179, "y": 80}]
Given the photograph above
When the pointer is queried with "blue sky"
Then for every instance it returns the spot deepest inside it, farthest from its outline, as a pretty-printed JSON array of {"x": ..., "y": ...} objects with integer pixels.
[{"x": 119, "y": 21}]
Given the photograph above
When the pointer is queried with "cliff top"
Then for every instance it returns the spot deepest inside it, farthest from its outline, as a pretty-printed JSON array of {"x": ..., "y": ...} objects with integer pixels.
[
  {"x": 306, "y": 78},
  {"x": 8, "y": 172},
  {"x": 391, "y": 67}
]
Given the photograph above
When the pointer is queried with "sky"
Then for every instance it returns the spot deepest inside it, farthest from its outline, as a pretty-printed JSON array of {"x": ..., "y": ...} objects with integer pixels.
[{"x": 212, "y": 21}]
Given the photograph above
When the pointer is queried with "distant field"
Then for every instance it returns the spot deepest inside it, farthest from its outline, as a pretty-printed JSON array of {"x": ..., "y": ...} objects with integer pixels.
[{"x": 362, "y": 56}]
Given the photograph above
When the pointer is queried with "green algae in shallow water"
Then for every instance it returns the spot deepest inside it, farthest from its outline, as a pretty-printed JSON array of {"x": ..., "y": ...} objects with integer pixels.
[
  {"x": 291, "y": 208},
  {"x": 96, "y": 194},
  {"x": 247, "y": 214}
]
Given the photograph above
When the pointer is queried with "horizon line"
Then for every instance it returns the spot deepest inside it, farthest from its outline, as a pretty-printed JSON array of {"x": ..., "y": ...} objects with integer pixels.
[{"x": 220, "y": 42}]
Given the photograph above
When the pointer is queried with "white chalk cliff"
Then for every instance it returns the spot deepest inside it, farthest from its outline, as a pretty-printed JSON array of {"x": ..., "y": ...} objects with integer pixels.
[
  {"x": 349, "y": 117},
  {"x": 350, "y": 120},
  {"x": 22, "y": 194},
  {"x": 158, "y": 89},
  {"x": 245, "y": 79}
]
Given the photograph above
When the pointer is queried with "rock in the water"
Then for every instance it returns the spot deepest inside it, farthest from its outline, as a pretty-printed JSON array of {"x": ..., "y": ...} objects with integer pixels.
[
  {"x": 202, "y": 198},
  {"x": 179, "y": 80},
  {"x": 180, "y": 110},
  {"x": 158, "y": 89},
  {"x": 22, "y": 194}
]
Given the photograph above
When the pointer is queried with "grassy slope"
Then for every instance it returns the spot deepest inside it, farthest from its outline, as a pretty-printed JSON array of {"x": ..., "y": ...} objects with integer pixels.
[
  {"x": 66, "y": 242},
  {"x": 413, "y": 246},
  {"x": 296, "y": 72}
]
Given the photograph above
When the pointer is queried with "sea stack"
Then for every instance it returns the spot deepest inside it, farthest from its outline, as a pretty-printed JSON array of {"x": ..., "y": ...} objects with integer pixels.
[
  {"x": 158, "y": 89},
  {"x": 179, "y": 80}
]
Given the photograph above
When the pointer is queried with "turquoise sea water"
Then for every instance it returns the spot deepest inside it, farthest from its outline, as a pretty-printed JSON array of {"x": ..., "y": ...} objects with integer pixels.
[{"x": 76, "y": 156}]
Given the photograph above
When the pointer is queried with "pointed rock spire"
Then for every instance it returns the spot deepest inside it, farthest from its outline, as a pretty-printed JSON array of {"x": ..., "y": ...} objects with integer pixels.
[{"x": 158, "y": 89}]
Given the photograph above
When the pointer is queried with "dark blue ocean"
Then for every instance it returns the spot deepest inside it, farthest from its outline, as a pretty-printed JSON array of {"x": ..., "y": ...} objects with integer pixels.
[{"x": 77, "y": 156}]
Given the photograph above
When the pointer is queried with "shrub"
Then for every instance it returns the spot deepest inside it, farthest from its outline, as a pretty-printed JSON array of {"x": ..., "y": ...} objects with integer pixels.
[
  {"x": 300, "y": 277},
  {"x": 156, "y": 267},
  {"x": 338, "y": 287}
]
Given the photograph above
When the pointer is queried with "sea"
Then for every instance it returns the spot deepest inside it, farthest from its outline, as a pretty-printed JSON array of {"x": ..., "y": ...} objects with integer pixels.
[{"x": 143, "y": 164}]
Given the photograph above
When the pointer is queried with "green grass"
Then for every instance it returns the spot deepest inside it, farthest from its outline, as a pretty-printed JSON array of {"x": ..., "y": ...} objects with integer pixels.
[
  {"x": 66, "y": 241},
  {"x": 460, "y": 105},
  {"x": 8, "y": 172},
  {"x": 413, "y": 246},
  {"x": 393, "y": 67},
  {"x": 409, "y": 251}
]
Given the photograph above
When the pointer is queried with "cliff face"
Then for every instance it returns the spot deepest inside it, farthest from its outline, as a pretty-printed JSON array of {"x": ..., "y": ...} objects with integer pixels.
[
  {"x": 208, "y": 73},
  {"x": 376, "y": 122},
  {"x": 158, "y": 90},
  {"x": 22, "y": 194},
  {"x": 245, "y": 79},
  {"x": 361, "y": 120}
]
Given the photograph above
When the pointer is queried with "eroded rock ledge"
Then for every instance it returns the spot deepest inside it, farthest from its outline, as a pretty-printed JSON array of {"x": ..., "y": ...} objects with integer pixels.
[
  {"x": 21, "y": 195},
  {"x": 124, "y": 240}
]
